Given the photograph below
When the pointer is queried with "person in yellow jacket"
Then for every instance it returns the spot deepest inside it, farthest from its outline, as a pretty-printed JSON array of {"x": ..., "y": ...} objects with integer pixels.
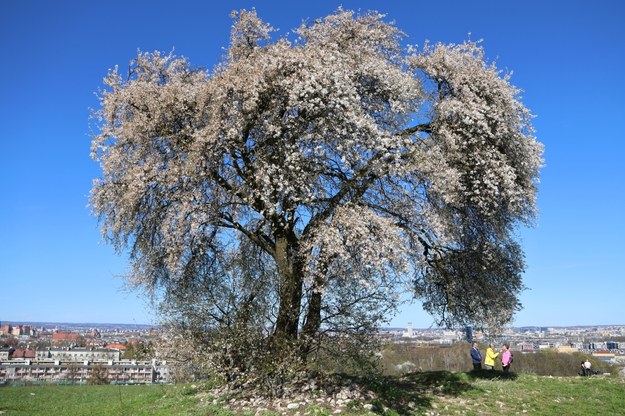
[{"x": 489, "y": 359}]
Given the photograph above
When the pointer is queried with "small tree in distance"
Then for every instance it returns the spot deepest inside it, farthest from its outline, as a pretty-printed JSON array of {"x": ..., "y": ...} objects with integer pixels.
[
  {"x": 299, "y": 189},
  {"x": 98, "y": 375}
]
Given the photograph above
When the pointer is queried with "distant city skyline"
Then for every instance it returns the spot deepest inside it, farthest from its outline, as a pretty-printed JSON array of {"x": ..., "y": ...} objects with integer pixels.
[
  {"x": 145, "y": 326},
  {"x": 566, "y": 56},
  {"x": 75, "y": 324}
]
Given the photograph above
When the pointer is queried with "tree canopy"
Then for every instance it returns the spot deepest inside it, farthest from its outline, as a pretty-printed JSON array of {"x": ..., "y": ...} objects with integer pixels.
[{"x": 307, "y": 182}]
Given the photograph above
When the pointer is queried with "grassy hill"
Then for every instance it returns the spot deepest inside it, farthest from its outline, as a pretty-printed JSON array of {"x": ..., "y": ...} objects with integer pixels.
[{"x": 425, "y": 393}]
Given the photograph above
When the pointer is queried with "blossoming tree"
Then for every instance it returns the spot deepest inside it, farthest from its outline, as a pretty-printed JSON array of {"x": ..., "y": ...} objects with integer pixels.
[{"x": 318, "y": 177}]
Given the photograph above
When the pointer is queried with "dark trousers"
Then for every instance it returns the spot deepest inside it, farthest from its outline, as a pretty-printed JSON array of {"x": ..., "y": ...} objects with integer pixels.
[
  {"x": 477, "y": 366},
  {"x": 506, "y": 368}
]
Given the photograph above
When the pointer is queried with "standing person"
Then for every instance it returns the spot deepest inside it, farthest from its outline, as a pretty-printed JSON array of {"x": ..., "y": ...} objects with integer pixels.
[
  {"x": 489, "y": 359},
  {"x": 476, "y": 357},
  {"x": 506, "y": 358},
  {"x": 587, "y": 370}
]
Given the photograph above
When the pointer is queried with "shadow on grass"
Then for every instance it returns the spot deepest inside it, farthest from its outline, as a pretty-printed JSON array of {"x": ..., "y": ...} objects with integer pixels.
[
  {"x": 491, "y": 375},
  {"x": 414, "y": 392}
]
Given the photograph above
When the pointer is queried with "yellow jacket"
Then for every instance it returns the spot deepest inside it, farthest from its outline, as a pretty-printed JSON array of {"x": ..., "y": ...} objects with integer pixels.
[{"x": 490, "y": 357}]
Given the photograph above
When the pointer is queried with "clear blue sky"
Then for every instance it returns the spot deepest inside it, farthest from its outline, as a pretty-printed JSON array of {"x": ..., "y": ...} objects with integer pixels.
[{"x": 568, "y": 57}]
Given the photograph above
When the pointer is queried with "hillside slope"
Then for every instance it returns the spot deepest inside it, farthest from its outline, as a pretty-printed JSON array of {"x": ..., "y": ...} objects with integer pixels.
[{"x": 425, "y": 393}]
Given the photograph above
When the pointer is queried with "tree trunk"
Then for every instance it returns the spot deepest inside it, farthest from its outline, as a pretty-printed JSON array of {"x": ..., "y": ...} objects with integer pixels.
[
  {"x": 313, "y": 316},
  {"x": 312, "y": 323},
  {"x": 291, "y": 281}
]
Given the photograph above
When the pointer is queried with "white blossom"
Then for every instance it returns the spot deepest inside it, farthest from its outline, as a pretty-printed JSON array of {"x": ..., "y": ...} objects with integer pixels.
[{"x": 348, "y": 160}]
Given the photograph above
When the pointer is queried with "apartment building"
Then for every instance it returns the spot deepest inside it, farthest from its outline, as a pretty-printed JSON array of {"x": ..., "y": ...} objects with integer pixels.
[
  {"x": 78, "y": 354},
  {"x": 73, "y": 372}
]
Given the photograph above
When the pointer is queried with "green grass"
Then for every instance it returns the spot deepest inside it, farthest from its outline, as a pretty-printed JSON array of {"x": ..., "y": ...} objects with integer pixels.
[
  {"x": 103, "y": 400},
  {"x": 536, "y": 395},
  {"x": 431, "y": 393}
]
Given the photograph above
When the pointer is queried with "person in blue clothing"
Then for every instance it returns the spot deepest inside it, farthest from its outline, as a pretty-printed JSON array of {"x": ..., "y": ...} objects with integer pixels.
[{"x": 476, "y": 357}]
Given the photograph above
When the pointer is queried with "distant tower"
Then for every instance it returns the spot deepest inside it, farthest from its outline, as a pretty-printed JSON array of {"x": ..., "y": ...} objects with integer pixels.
[
  {"x": 409, "y": 330},
  {"x": 468, "y": 331}
]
